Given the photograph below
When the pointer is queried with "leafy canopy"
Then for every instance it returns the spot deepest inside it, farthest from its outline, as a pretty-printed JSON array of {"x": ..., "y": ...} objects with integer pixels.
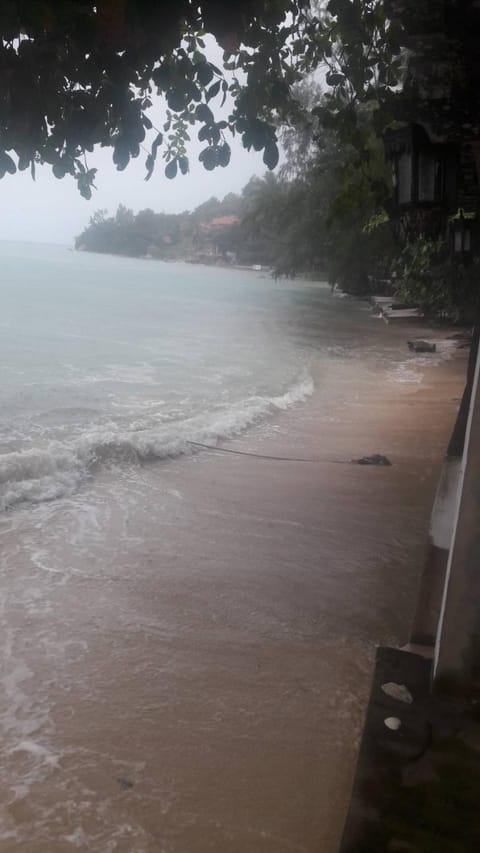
[{"x": 75, "y": 74}]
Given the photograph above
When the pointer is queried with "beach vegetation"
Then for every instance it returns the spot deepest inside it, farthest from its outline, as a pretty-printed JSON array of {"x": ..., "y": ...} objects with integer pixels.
[
  {"x": 426, "y": 275},
  {"x": 78, "y": 74},
  {"x": 318, "y": 79}
]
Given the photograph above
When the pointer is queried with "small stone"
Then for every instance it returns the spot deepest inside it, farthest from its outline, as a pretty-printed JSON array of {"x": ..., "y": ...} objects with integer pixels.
[
  {"x": 421, "y": 346},
  {"x": 376, "y": 459},
  {"x": 125, "y": 784},
  {"x": 397, "y": 691},
  {"x": 392, "y": 723}
]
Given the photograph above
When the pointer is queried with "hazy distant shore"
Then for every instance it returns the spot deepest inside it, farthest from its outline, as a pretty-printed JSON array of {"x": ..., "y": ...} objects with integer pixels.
[{"x": 215, "y": 261}]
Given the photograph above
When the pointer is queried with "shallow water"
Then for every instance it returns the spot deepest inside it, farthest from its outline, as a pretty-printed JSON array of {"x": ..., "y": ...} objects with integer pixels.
[
  {"x": 111, "y": 359},
  {"x": 187, "y": 636}
]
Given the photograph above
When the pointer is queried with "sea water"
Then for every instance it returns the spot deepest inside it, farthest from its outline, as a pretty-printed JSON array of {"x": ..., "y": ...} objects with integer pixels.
[
  {"x": 109, "y": 360},
  {"x": 186, "y": 635}
]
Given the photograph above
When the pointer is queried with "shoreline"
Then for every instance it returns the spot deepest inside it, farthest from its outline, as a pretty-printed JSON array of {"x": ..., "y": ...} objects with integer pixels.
[
  {"x": 227, "y": 608},
  {"x": 354, "y": 537},
  {"x": 376, "y": 520}
]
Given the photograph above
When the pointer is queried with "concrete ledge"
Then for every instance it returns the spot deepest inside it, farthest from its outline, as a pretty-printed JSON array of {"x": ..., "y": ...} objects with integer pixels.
[
  {"x": 395, "y": 315},
  {"x": 383, "y": 751},
  {"x": 391, "y": 310}
]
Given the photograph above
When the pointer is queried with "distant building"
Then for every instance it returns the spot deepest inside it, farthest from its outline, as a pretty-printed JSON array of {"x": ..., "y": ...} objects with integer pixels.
[
  {"x": 215, "y": 230},
  {"x": 224, "y": 221}
]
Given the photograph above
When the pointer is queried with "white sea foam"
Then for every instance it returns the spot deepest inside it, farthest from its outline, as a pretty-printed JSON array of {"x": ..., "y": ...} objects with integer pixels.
[
  {"x": 405, "y": 373},
  {"x": 37, "y": 751},
  {"x": 410, "y": 371},
  {"x": 57, "y": 470}
]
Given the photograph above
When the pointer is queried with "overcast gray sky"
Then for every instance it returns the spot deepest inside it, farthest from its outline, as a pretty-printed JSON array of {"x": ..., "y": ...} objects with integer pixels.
[
  {"x": 48, "y": 210},
  {"x": 51, "y": 211}
]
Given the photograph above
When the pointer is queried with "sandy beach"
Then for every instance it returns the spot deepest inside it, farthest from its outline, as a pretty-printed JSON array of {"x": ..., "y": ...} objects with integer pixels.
[{"x": 209, "y": 657}]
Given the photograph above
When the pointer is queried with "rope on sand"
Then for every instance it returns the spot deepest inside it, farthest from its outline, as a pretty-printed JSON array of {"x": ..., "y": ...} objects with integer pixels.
[
  {"x": 264, "y": 456},
  {"x": 377, "y": 459}
]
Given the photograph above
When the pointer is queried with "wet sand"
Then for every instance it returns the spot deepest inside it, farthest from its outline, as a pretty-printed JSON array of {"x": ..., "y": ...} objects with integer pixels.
[{"x": 195, "y": 668}]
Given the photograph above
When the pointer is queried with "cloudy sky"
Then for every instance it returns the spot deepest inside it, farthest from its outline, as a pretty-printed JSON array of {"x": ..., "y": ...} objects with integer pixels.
[
  {"x": 48, "y": 210},
  {"x": 52, "y": 211}
]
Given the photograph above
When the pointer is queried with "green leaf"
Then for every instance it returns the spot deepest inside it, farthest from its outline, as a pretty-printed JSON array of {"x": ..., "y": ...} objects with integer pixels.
[
  {"x": 7, "y": 164},
  {"x": 204, "y": 113},
  {"x": 208, "y": 157},
  {"x": 204, "y": 73},
  {"x": 224, "y": 154},
  {"x": 224, "y": 90},
  {"x": 162, "y": 76},
  {"x": 58, "y": 170},
  {"x": 183, "y": 164},
  {"x": 176, "y": 100},
  {"x": 213, "y": 91},
  {"x": 156, "y": 143},
  {"x": 150, "y": 165},
  {"x": 334, "y": 78},
  {"x": 171, "y": 169},
  {"x": 121, "y": 153},
  {"x": 83, "y": 184},
  {"x": 215, "y": 134},
  {"x": 271, "y": 155},
  {"x": 259, "y": 135},
  {"x": 85, "y": 191}
]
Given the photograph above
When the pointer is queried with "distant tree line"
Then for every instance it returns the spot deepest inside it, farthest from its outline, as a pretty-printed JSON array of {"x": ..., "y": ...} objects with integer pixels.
[
  {"x": 218, "y": 230},
  {"x": 320, "y": 215},
  {"x": 325, "y": 213}
]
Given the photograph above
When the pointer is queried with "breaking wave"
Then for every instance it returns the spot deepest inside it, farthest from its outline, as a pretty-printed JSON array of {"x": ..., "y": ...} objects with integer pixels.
[{"x": 57, "y": 470}]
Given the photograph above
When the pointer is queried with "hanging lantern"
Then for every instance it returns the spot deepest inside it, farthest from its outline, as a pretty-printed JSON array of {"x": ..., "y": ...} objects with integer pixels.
[
  {"x": 461, "y": 227},
  {"x": 399, "y": 151},
  {"x": 421, "y": 169}
]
